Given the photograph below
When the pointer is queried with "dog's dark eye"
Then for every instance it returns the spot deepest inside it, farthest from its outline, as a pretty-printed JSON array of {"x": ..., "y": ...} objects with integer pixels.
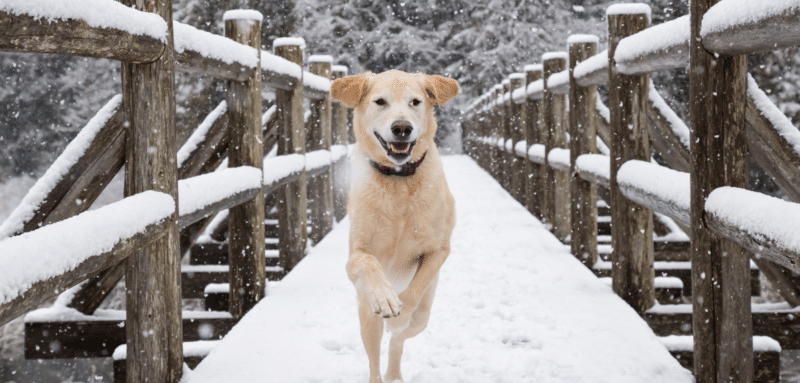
[
  {"x": 415, "y": 102},
  {"x": 380, "y": 102}
]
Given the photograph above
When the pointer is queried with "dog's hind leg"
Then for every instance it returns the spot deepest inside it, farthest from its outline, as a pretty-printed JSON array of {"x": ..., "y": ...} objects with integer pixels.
[
  {"x": 405, "y": 329},
  {"x": 371, "y": 333}
]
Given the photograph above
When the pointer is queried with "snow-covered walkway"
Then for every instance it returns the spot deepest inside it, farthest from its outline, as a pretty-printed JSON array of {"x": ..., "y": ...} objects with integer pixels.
[{"x": 512, "y": 306}]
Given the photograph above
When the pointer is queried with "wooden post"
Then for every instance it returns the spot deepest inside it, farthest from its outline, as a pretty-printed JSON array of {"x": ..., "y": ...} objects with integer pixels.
[
  {"x": 339, "y": 133},
  {"x": 247, "y": 275},
  {"x": 318, "y": 137},
  {"x": 153, "y": 327},
  {"x": 532, "y": 73},
  {"x": 632, "y": 225},
  {"x": 505, "y": 133},
  {"x": 518, "y": 133},
  {"x": 583, "y": 138},
  {"x": 496, "y": 133},
  {"x": 721, "y": 319},
  {"x": 556, "y": 201},
  {"x": 292, "y": 203}
]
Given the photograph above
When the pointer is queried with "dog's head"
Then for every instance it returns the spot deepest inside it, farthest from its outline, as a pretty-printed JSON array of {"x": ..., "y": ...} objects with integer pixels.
[{"x": 394, "y": 111}]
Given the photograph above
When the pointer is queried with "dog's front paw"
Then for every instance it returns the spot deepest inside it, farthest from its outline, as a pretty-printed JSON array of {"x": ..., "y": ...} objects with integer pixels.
[{"x": 384, "y": 301}]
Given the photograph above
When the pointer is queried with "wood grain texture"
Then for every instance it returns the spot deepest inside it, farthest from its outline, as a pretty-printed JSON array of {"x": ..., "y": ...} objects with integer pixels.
[
  {"x": 532, "y": 179},
  {"x": 153, "y": 300},
  {"x": 632, "y": 224},
  {"x": 505, "y": 132},
  {"x": 215, "y": 144},
  {"x": 603, "y": 127},
  {"x": 319, "y": 137},
  {"x": 23, "y": 33},
  {"x": 339, "y": 135},
  {"x": 245, "y": 221},
  {"x": 583, "y": 139},
  {"x": 518, "y": 133},
  {"x": 292, "y": 202},
  {"x": 556, "y": 183},
  {"x": 767, "y": 34},
  {"x": 772, "y": 152},
  {"x": 721, "y": 326}
]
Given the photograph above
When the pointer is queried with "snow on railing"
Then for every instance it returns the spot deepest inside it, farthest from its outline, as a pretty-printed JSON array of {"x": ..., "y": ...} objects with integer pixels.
[
  {"x": 96, "y": 13},
  {"x": 657, "y": 187},
  {"x": 670, "y": 36},
  {"x": 521, "y": 148},
  {"x": 280, "y": 65},
  {"x": 768, "y": 224},
  {"x": 535, "y": 90},
  {"x": 559, "y": 80},
  {"x": 595, "y": 64},
  {"x": 200, "y": 191},
  {"x": 57, "y": 248},
  {"x": 26, "y": 210},
  {"x": 536, "y": 154},
  {"x": 779, "y": 121},
  {"x": 213, "y": 46},
  {"x": 558, "y": 158},
  {"x": 729, "y": 14},
  {"x": 276, "y": 168},
  {"x": 199, "y": 134},
  {"x": 594, "y": 168},
  {"x": 678, "y": 127},
  {"x": 316, "y": 82}
]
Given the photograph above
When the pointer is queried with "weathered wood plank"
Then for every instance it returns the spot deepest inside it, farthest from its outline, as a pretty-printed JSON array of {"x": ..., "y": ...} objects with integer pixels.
[
  {"x": 339, "y": 137},
  {"x": 153, "y": 300},
  {"x": 556, "y": 183},
  {"x": 194, "y": 63},
  {"x": 43, "y": 290},
  {"x": 98, "y": 338},
  {"x": 215, "y": 144},
  {"x": 533, "y": 178},
  {"x": 246, "y": 220},
  {"x": 319, "y": 137},
  {"x": 632, "y": 224},
  {"x": 292, "y": 202},
  {"x": 24, "y": 33},
  {"x": 517, "y": 133},
  {"x": 583, "y": 139},
  {"x": 723, "y": 348}
]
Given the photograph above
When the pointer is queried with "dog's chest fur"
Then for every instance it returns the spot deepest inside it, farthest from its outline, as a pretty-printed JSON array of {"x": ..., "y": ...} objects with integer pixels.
[{"x": 414, "y": 222}]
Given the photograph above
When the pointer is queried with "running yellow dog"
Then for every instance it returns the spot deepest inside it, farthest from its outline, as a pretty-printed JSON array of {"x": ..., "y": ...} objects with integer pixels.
[{"x": 401, "y": 212}]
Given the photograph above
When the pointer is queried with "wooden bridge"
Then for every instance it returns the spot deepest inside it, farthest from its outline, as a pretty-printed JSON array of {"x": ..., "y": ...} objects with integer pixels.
[{"x": 681, "y": 229}]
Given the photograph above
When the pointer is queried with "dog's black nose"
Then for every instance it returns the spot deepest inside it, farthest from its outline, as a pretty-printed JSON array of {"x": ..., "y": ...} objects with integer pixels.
[{"x": 401, "y": 129}]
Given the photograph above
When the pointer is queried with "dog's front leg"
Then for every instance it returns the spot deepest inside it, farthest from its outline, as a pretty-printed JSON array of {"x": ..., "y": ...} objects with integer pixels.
[
  {"x": 369, "y": 280},
  {"x": 411, "y": 296}
]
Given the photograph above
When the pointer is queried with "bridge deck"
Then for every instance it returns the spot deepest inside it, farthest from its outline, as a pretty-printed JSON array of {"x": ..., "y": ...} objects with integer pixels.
[{"x": 512, "y": 306}]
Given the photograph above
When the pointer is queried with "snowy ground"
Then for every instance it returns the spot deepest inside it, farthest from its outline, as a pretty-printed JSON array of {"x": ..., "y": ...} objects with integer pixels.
[{"x": 512, "y": 306}]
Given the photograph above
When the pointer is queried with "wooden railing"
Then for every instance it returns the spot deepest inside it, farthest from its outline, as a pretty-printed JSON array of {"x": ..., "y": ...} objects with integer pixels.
[
  {"x": 143, "y": 236},
  {"x": 704, "y": 188}
]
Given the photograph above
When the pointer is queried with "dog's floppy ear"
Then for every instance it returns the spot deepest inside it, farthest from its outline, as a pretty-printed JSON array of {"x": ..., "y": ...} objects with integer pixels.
[
  {"x": 351, "y": 89},
  {"x": 440, "y": 88}
]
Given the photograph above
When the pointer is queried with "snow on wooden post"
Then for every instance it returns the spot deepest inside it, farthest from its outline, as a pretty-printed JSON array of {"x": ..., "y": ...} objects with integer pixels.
[
  {"x": 556, "y": 183},
  {"x": 721, "y": 318},
  {"x": 532, "y": 185},
  {"x": 517, "y": 133},
  {"x": 153, "y": 321},
  {"x": 292, "y": 232},
  {"x": 247, "y": 276},
  {"x": 583, "y": 138},
  {"x": 632, "y": 224},
  {"x": 339, "y": 133},
  {"x": 318, "y": 137}
]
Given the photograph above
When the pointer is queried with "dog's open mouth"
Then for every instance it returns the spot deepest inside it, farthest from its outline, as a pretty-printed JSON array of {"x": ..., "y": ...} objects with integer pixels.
[{"x": 399, "y": 150}]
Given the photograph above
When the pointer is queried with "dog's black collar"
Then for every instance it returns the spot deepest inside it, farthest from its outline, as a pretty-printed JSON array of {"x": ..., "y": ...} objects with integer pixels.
[{"x": 407, "y": 169}]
